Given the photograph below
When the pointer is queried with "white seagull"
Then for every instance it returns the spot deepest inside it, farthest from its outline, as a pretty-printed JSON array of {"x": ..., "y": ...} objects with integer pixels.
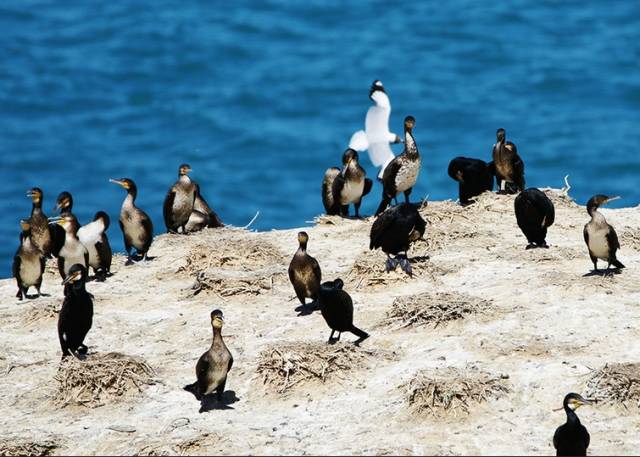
[{"x": 376, "y": 137}]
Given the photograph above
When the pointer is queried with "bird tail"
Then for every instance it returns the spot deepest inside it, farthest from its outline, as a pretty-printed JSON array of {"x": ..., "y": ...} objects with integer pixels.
[
  {"x": 359, "y": 333},
  {"x": 383, "y": 204},
  {"x": 617, "y": 263}
]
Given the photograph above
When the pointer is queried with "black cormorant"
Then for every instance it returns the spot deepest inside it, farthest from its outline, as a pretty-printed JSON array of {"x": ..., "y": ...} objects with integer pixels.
[{"x": 534, "y": 213}]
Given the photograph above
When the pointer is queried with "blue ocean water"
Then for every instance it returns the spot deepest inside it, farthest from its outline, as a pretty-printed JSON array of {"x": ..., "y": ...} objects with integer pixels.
[{"x": 261, "y": 98}]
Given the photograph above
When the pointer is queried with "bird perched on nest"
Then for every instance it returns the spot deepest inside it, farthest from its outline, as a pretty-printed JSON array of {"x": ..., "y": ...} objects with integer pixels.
[
  {"x": 402, "y": 172},
  {"x": 394, "y": 231},
  {"x": 534, "y": 214},
  {"x": 28, "y": 262},
  {"x": 76, "y": 314},
  {"x": 572, "y": 438},
  {"x": 340, "y": 188},
  {"x": 474, "y": 176},
  {"x": 178, "y": 204},
  {"x": 601, "y": 238},
  {"x": 202, "y": 215},
  {"x": 94, "y": 237},
  {"x": 214, "y": 365},
  {"x": 136, "y": 226},
  {"x": 304, "y": 272},
  {"x": 376, "y": 137},
  {"x": 509, "y": 167},
  {"x": 40, "y": 229},
  {"x": 336, "y": 307}
]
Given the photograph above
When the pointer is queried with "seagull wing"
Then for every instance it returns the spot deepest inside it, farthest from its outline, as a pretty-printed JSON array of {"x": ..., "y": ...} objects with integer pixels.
[
  {"x": 380, "y": 155},
  {"x": 359, "y": 141}
]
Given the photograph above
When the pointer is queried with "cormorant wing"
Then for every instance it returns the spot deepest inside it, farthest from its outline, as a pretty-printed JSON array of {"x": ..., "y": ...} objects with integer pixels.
[
  {"x": 368, "y": 184},
  {"x": 328, "y": 197},
  {"x": 167, "y": 209},
  {"x": 43, "y": 264},
  {"x": 316, "y": 268},
  {"x": 202, "y": 367},
  {"x": 336, "y": 191},
  {"x": 380, "y": 227},
  {"x": 556, "y": 437},
  {"x": 359, "y": 141},
  {"x": 16, "y": 267},
  {"x": 61, "y": 266},
  {"x": 612, "y": 239},
  {"x": 585, "y": 232},
  {"x": 518, "y": 167},
  {"x": 146, "y": 223},
  {"x": 230, "y": 363},
  {"x": 587, "y": 437}
]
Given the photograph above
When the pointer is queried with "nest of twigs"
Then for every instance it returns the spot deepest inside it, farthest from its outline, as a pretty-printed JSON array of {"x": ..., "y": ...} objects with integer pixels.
[
  {"x": 451, "y": 391},
  {"x": 434, "y": 308},
  {"x": 240, "y": 252},
  {"x": 369, "y": 270},
  {"x": 287, "y": 365},
  {"x": 616, "y": 383},
  {"x": 227, "y": 284},
  {"x": 11, "y": 446},
  {"x": 101, "y": 378},
  {"x": 630, "y": 238}
]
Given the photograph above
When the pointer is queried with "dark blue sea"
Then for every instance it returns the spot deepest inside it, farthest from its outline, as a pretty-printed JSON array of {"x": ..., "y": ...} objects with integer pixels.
[{"x": 260, "y": 98}]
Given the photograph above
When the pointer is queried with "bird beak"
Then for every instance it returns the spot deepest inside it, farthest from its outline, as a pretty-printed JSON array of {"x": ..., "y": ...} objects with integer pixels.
[
  {"x": 115, "y": 181},
  {"x": 55, "y": 220},
  {"x": 29, "y": 193},
  {"x": 71, "y": 278},
  {"x": 344, "y": 170},
  {"x": 584, "y": 401},
  {"x": 617, "y": 197}
]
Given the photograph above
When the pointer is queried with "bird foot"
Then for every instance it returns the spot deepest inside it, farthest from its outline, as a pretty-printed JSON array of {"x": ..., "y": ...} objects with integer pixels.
[
  {"x": 405, "y": 265},
  {"x": 391, "y": 264},
  {"x": 530, "y": 246}
]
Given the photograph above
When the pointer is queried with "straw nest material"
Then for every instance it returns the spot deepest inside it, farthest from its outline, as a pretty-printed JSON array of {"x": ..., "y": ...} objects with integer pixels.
[
  {"x": 42, "y": 312},
  {"x": 228, "y": 284},
  {"x": 452, "y": 391},
  {"x": 287, "y": 365},
  {"x": 203, "y": 444},
  {"x": 101, "y": 378},
  {"x": 11, "y": 446},
  {"x": 630, "y": 238},
  {"x": 616, "y": 383},
  {"x": 434, "y": 308},
  {"x": 369, "y": 270}
]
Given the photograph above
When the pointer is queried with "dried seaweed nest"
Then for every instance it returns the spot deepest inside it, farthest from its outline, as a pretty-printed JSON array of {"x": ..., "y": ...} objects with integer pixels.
[
  {"x": 101, "y": 378},
  {"x": 11, "y": 446},
  {"x": 286, "y": 365},
  {"x": 244, "y": 252},
  {"x": 452, "y": 391},
  {"x": 39, "y": 312},
  {"x": 434, "y": 308},
  {"x": 228, "y": 284},
  {"x": 616, "y": 383},
  {"x": 369, "y": 270}
]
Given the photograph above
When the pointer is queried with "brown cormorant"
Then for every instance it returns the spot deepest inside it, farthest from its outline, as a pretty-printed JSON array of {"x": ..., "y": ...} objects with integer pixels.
[
  {"x": 136, "y": 226},
  {"x": 348, "y": 186},
  {"x": 39, "y": 223},
  {"x": 402, "y": 172},
  {"x": 28, "y": 263},
  {"x": 572, "y": 438},
  {"x": 534, "y": 213},
  {"x": 336, "y": 307},
  {"x": 64, "y": 204},
  {"x": 202, "y": 215},
  {"x": 214, "y": 365},
  {"x": 509, "y": 167},
  {"x": 178, "y": 204},
  {"x": 601, "y": 238},
  {"x": 473, "y": 175},
  {"x": 76, "y": 314},
  {"x": 304, "y": 272},
  {"x": 394, "y": 231}
]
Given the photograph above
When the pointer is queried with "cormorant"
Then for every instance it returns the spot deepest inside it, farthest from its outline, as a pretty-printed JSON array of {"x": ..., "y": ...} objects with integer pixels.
[
  {"x": 348, "y": 186},
  {"x": 94, "y": 237},
  {"x": 601, "y": 238},
  {"x": 336, "y": 307},
  {"x": 402, "y": 172},
  {"x": 64, "y": 204},
  {"x": 572, "y": 438},
  {"x": 304, "y": 272},
  {"x": 28, "y": 263},
  {"x": 178, "y": 204},
  {"x": 73, "y": 251},
  {"x": 76, "y": 314},
  {"x": 534, "y": 213},
  {"x": 473, "y": 175},
  {"x": 394, "y": 230},
  {"x": 136, "y": 226},
  {"x": 39, "y": 223},
  {"x": 214, "y": 365},
  {"x": 509, "y": 167}
]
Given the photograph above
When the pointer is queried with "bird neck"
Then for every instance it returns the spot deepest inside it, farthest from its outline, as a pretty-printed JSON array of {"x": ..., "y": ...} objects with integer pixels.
[
  {"x": 572, "y": 417},
  {"x": 131, "y": 197},
  {"x": 596, "y": 216},
  {"x": 217, "y": 336},
  {"x": 302, "y": 249},
  {"x": 410, "y": 144},
  {"x": 36, "y": 207}
]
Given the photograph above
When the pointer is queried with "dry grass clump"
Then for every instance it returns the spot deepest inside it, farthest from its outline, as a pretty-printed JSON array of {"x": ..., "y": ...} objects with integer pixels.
[
  {"x": 11, "y": 446},
  {"x": 369, "y": 270},
  {"x": 228, "y": 284},
  {"x": 286, "y": 365},
  {"x": 630, "y": 238},
  {"x": 40, "y": 312},
  {"x": 243, "y": 252},
  {"x": 452, "y": 391},
  {"x": 101, "y": 378},
  {"x": 434, "y": 308},
  {"x": 616, "y": 383}
]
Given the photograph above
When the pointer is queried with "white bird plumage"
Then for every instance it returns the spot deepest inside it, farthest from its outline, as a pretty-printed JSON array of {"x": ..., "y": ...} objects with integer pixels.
[
  {"x": 376, "y": 137},
  {"x": 90, "y": 234}
]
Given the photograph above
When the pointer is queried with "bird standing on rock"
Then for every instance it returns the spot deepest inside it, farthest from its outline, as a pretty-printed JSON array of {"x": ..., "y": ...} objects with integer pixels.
[
  {"x": 76, "y": 314},
  {"x": 509, "y": 167},
  {"x": 534, "y": 214},
  {"x": 601, "y": 238},
  {"x": 336, "y": 308},
  {"x": 135, "y": 224},
  {"x": 394, "y": 231},
  {"x": 28, "y": 263},
  {"x": 304, "y": 272},
  {"x": 346, "y": 186},
  {"x": 214, "y": 365},
  {"x": 402, "y": 172},
  {"x": 39, "y": 224},
  {"x": 178, "y": 204},
  {"x": 572, "y": 438}
]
